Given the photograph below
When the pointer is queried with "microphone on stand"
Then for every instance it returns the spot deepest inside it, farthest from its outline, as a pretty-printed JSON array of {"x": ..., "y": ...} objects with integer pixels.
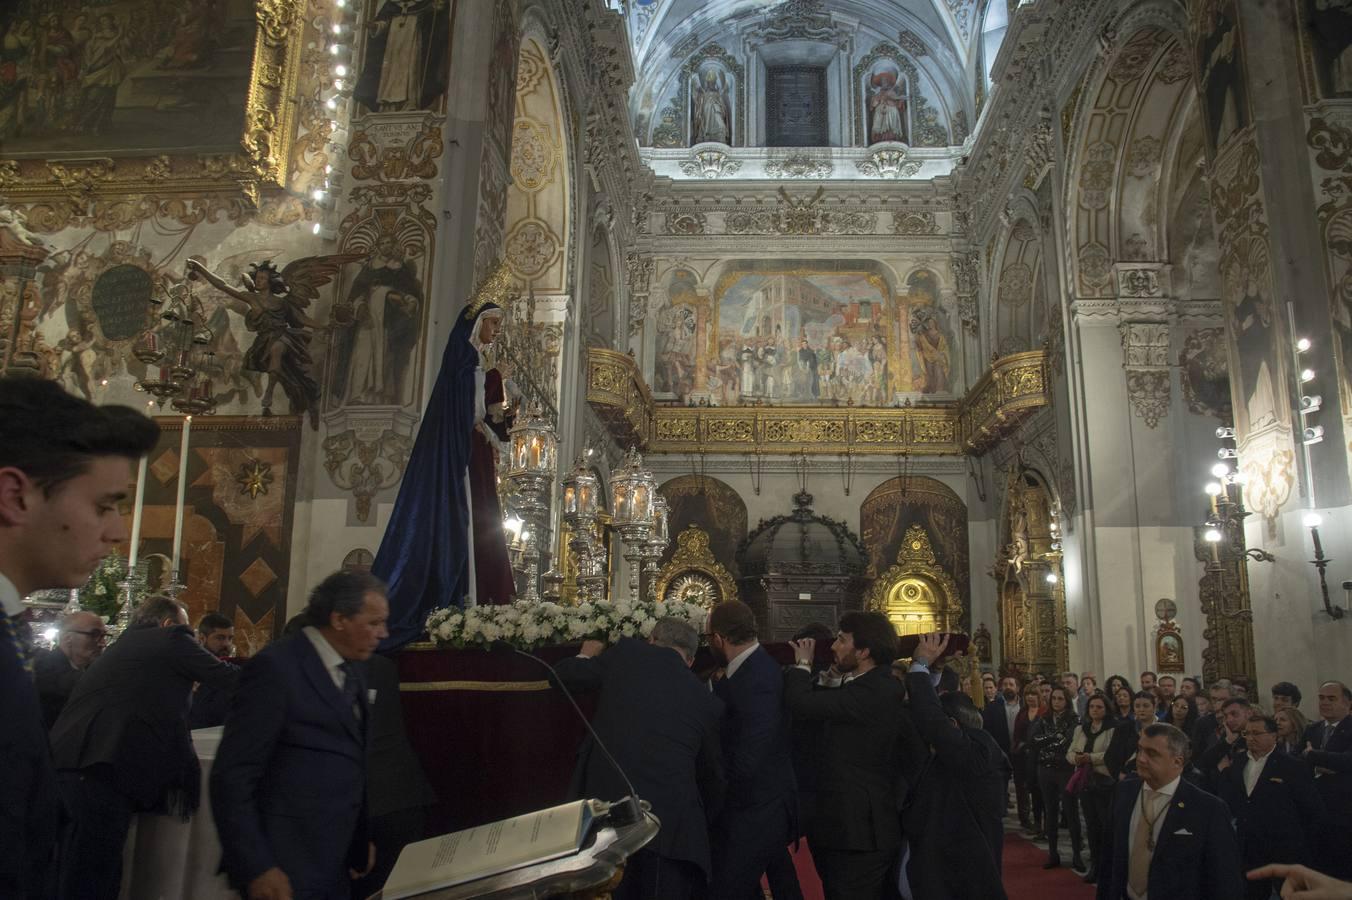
[{"x": 623, "y": 812}]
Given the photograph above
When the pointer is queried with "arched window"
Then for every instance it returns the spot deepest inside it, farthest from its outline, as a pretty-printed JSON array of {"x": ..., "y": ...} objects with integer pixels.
[{"x": 994, "y": 24}]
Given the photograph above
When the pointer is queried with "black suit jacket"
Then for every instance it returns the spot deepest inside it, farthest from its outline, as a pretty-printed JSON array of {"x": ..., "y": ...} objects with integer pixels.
[
  {"x": 56, "y": 679},
  {"x": 1277, "y": 822},
  {"x": 1335, "y": 785},
  {"x": 1120, "y": 757},
  {"x": 395, "y": 779},
  {"x": 995, "y": 720},
  {"x": 28, "y": 796},
  {"x": 855, "y": 804},
  {"x": 954, "y": 820},
  {"x": 661, "y": 724},
  {"x": 288, "y": 784},
  {"x": 1196, "y": 857},
  {"x": 755, "y": 735},
  {"x": 127, "y": 719}
]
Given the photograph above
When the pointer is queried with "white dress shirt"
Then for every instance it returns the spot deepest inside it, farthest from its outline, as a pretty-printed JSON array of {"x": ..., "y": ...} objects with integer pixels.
[
  {"x": 1253, "y": 770},
  {"x": 9, "y": 597},
  {"x": 1011, "y": 713},
  {"x": 736, "y": 662},
  {"x": 331, "y": 658},
  {"x": 1159, "y": 811}
]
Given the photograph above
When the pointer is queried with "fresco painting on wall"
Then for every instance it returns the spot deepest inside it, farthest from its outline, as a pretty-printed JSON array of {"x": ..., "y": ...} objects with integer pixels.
[
  {"x": 1220, "y": 60},
  {"x": 406, "y": 61},
  {"x": 887, "y": 103},
  {"x": 710, "y": 105},
  {"x": 1329, "y": 26},
  {"x": 816, "y": 333},
  {"x": 98, "y": 77},
  {"x": 1247, "y": 278}
]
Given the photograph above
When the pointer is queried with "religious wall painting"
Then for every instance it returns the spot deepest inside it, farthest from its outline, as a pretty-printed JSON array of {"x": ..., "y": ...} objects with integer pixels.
[
  {"x": 599, "y": 301},
  {"x": 79, "y": 78},
  {"x": 1220, "y": 60},
  {"x": 1327, "y": 26},
  {"x": 676, "y": 329},
  {"x": 896, "y": 507},
  {"x": 406, "y": 60},
  {"x": 1255, "y": 331},
  {"x": 931, "y": 335},
  {"x": 713, "y": 506},
  {"x": 502, "y": 77},
  {"x": 711, "y": 98},
  {"x": 378, "y": 314},
  {"x": 1204, "y": 371},
  {"x": 887, "y": 103}
]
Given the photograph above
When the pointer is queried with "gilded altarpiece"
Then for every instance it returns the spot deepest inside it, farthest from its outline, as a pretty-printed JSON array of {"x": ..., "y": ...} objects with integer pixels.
[
  {"x": 712, "y": 505},
  {"x": 1033, "y": 636},
  {"x": 894, "y": 509}
]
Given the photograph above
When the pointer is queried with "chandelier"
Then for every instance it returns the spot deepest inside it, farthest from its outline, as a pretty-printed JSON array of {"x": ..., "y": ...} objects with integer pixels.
[{"x": 178, "y": 354}]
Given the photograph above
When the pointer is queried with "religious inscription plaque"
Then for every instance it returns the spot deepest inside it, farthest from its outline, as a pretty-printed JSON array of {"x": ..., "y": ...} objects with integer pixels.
[{"x": 121, "y": 302}]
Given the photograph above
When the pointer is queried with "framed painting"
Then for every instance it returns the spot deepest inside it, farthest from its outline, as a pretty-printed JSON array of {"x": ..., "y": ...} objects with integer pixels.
[{"x": 119, "y": 97}]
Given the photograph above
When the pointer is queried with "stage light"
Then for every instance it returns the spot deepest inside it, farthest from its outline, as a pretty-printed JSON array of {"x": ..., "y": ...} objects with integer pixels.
[
  {"x": 1312, "y": 520},
  {"x": 1313, "y": 435},
  {"x": 1302, "y": 345},
  {"x": 1311, "y": 403},
  {"x": 1227, "y": 453},
  {"x": 340, "y": 70},
  {"x": 1306, "y": 376},
  {"x": 1220, "y": 470},
  {"x": 1225, "y": 434},
  {"x": 1051, "y": 578}
]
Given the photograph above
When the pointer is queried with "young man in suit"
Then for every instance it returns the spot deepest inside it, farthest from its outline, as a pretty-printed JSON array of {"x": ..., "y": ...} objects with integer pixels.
[
  {"x": 1229, "y": 750},
  {"x": 288, "y": 788},
  {"x": 669, "y": 750},
  {"x": 122, "y": 746},
  {"x": 760, "y": 810},
  {"x": 1170, "y": 840},
  {"x": 855, "y": 831},
  {"x": 1273, "y": 801},
  {"x": 215, "y": 632},
  {"x": 64, "y": 466},
  {"x": 1328, "y": 748},
  {"x": 953, "y": 822}
]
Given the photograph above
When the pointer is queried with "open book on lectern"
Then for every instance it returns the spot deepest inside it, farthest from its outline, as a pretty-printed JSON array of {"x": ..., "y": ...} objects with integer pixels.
[{"x": 491, "y": 849}]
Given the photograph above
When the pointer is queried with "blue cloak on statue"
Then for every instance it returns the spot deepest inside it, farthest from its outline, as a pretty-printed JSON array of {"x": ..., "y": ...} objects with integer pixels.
[{"x": 424, "y": 556}]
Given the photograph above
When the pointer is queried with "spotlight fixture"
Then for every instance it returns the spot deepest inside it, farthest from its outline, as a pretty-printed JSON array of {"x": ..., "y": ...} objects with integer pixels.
[
  {"x": 1313, "y": 435},
  {"x": 1312, "y": 519},
  {"x": 1220, "y": 470},
  {"x": 1225, "y": 433},
  {"x": 1227, "y": 453},
  {"x": 1302, "y": 345},
  {"x": 1310, "y": 403},
  {"x": 1306, "y": 376}
]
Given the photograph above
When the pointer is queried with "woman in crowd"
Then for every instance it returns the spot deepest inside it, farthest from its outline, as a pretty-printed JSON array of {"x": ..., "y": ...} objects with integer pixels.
[
  {"x": 1122, "y": 703},
  {"x": 1183, "y": 714},
  {"x": 1021, "y": 756},
  {"x": 1096, "y": 793},
  {"x": 1050, "y": 740},
  {"x": 1291, "y": 725},
  {"x": 1114, "y": 684}
]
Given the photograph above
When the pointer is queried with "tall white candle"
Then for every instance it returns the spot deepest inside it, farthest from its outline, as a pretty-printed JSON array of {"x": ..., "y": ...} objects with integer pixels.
[
  {"x": 134, "y": 554},
  {"x": 182, "y": 487}
]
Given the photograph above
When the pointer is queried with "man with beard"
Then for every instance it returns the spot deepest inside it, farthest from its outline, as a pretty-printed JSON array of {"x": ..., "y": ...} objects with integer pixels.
[
  {"x": 760, "y": 810},
  {"x": 1002, "y": 722},
  {"x": 854, "y": 831}
]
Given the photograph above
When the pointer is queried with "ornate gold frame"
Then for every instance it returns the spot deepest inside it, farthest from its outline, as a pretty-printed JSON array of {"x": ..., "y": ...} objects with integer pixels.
[
  {"x": 260, "y": 162},
  {"x": 916, "y": 559},
  {"x": 693, "y": 555},
  {"x": 1015, "y": 387}
]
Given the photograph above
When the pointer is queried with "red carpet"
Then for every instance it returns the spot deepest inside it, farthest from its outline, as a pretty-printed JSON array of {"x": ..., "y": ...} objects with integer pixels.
[{"x": 1025, "y": 879}]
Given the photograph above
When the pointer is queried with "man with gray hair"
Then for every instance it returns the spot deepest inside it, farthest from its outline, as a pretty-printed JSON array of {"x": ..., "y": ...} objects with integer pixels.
[
  {"x": 81, "y": 639},
  {"x": 1170, "y": 838},
  {"x": 661, "y": 725}
]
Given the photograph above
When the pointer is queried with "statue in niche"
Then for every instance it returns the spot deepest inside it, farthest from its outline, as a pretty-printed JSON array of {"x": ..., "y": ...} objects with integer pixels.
[
  {"x": 380, "y": 334},
  {"x": 273, "y": 304},
  {"x": 1018, "y": 537},
  {"x": 710, "y": 110},
  {"x": 406, "y": 62},
  {"x": 1330, "y": 26},
  {"x": 886, "y": 107}
]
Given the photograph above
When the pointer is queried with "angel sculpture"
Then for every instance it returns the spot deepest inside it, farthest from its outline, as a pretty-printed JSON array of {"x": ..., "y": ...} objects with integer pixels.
[{"x": 273, "y": 304}]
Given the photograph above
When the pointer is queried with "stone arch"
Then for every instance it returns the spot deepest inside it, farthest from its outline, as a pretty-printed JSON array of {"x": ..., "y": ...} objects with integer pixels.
[
  {"x": 900, "y": 503},
  {"x": 713, "y": 505},
  {"x": 538, "y": 245}
]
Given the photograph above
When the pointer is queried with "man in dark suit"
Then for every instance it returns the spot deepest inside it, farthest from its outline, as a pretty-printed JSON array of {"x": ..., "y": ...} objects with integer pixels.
[
  {"x": 1208, "y": 729},
  {"x": 57, "y": 671},
  {"x": 1328, "y": 748},
  {"x": 759, "y": 816},
  {"x": 1170, "y": 839},
  {"x": 953, "y": 822},
  {"x": 288, "y": 788},
  {"x": 1005, "y": 725},
  {"x": 397, "y": 790},
  {"x": 64, "y": 466},
  {"x": 122, "y": 746},
  {"x": 216, "y": 633},
  {"x": 854, "y": 830},
  {"x": 1274, "y": 804},
  {"x": 1229, "y": 749},
  {"x": 661, "y": 724},
  {"x": 1120, "y": 757}
]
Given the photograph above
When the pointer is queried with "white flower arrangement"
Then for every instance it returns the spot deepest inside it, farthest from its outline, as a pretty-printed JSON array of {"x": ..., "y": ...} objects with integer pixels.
[{"x": 528, "y": 625}]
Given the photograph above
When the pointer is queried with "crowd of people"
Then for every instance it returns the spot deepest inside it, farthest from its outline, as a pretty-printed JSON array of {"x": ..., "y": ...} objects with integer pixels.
[{"x": 898, "y": 780}]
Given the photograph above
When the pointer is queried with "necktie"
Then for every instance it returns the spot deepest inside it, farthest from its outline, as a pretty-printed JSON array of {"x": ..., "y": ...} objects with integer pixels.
[
  {"x": 17, "y": 632},
  {"x": 1138, "y": 868},
  {"x": 1328, "y": 733},
  {"x": 352, "y": 687}
]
